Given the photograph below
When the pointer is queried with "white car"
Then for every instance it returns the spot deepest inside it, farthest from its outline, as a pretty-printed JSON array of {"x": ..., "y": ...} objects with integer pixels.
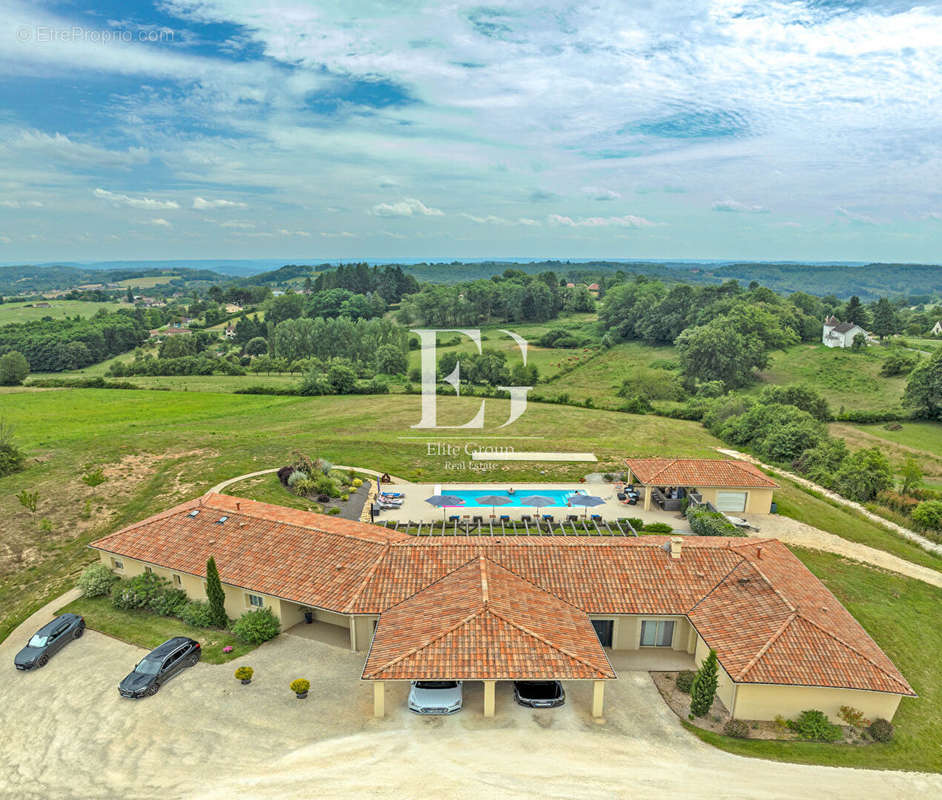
[{"x": 435, "y": 697}]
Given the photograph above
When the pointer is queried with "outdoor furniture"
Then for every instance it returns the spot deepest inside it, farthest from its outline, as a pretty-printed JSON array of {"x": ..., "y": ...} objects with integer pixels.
[
  {"x": 548, "y": 518},
  {"x": 477, "y": 519},
  {"x": 454, "y": 518},
  {"x": 505, "y": 517},
  {"x": 572, "y": 518},
  {"x": 596, "y": 517},
  {"x": 526, "y": 518}
]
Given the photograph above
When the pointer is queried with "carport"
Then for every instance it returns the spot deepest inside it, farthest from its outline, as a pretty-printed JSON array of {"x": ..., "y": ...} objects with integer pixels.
[{"x": 482, "y": 622}]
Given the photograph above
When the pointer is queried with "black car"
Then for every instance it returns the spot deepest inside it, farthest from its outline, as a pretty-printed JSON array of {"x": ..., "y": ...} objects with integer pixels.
[
  {"x": 49, "y": 640},
  {"x": 539, "y": 694},
  {"x": 159, "y": 666}
]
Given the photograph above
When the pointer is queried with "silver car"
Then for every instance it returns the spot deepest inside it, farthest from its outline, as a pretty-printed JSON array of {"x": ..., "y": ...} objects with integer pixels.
[{"x": 435, "y": 697}]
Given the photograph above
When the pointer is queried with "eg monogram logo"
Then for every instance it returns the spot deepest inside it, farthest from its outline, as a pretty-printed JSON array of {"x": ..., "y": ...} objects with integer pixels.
[{"x": 427, "y": 340}]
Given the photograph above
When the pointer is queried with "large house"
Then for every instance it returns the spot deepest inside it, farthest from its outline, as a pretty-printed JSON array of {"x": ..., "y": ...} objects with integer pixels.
[
  {"x": 529, "y": 607},
  {"x": 839, "y": 334},
  {"x": 728, "y": 485}
]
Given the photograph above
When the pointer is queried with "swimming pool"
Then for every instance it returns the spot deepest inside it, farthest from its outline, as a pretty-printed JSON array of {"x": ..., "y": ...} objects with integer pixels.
[{"x": 470, "y": 496}]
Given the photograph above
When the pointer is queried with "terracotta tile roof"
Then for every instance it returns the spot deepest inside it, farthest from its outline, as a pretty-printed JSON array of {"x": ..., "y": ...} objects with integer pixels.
[
  {"x": 705, "y": 472},
  {"x": 751, "y": 600},
  {"x": 482, "y": 622}
]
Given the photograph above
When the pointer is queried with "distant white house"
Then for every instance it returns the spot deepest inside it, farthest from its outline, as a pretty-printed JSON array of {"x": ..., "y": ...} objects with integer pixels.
[
  {"x": 937, "y": 328},
  {"x": 840, "y": 334}
]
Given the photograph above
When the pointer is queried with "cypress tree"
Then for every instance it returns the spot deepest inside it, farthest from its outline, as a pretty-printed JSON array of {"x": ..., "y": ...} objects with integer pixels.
[
  {"x": 215, "y": 595},
  {"x": 703, "y": 689}
]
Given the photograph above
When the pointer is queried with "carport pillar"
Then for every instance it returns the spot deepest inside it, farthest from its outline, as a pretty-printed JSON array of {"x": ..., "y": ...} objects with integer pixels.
[
  {"x": 598, "y": 698},
  {"x": 379, "y": 699},
  {"x": 489, "y": 698},
  {"x": 647, "y": 498}
]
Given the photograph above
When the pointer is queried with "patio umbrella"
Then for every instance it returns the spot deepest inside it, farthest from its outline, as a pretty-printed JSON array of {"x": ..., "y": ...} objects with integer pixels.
[
  {"x": 587, "y": 501},
  {"x": 443, "y": 500},
  {"x": 538, "y": 500},
  {"x": 494, "y": 500}
]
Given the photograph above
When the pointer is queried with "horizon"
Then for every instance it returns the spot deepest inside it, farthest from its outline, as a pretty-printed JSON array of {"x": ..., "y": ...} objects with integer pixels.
[{"x": 201, "y": 129}]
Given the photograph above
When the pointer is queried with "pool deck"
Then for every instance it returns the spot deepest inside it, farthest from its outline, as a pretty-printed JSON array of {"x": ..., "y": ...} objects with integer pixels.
[{"x": 415, "y": 508}]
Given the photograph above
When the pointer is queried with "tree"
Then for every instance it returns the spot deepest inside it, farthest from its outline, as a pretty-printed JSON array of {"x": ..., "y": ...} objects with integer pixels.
[
  {"x": 859, "y": 342},
  {"x": 215, "y": 595},
  {"x": 256, "y": 346},
  {"x": 341, "y": 376},
  {"x": 885, "y": 321},
  {"x": 910, "y": 475},
  {"x": 863, "y": 474},
  {"x": 856, "y": 313},
  {"x": 130, "y": 296},
  {"x": 924, "y": 389},
  {"x": 718, "y": 352},
  {"x": 703, "y": 689},
  {"x": 13, "y": 368},
  {"x": 928, "y": 515},
  {"x": 390, "y": 360}
]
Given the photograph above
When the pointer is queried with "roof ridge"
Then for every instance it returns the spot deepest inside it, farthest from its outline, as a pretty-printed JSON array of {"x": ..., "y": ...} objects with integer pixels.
[
  {"x": 441, "y": 635},
  {"x": 426, "y": 586},
  {"x": 719, "y": 583},
  {"x": 772, "y": 586},
  {"x": 186, "y": 504},
  {"x": 762, "y": 650},
  {"x": 849, "y": 646},
  {"x": 536, "y": 586},
  {"x": 483, "y": 562},
  {"x": 366, "y": 579},
  {"x": 550, "y": 644}
]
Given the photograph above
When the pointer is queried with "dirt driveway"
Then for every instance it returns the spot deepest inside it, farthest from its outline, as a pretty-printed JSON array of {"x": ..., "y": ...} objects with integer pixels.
[{"x": 67, "y": 734}]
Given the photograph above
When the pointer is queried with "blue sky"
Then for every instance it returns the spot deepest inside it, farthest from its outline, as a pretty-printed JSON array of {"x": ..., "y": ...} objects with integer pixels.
[{"x": 306, "y": 129}]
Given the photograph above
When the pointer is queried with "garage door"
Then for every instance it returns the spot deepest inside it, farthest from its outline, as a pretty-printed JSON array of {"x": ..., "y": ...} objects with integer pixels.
[{"x": 731, "y": 501}]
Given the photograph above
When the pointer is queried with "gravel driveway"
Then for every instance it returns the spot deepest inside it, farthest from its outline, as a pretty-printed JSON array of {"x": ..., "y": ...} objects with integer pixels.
[{"x": 67, "y": 734}]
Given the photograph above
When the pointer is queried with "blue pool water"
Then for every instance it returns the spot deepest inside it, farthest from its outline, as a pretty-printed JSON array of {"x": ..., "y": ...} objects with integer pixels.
[{"x": 470, "y": 496}]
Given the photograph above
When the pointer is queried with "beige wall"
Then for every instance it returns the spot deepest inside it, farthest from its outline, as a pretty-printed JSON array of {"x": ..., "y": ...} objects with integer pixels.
[
  {"x": 725, "y": 688},
  {"x": 626, "y": 632},
  {"x": 765, "y": 702},
  {"x": 363, "y": 632},
  {"x": 758, "y": 501}
]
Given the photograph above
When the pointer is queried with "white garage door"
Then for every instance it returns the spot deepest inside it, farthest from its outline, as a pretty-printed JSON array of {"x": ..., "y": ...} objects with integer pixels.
[{"x": 731, "y": 501}]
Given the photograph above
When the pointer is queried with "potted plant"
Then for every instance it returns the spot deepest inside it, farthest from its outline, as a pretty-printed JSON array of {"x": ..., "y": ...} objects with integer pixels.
[
  {"x": 308, "y": 615},
  {"x": 300, "y": 687},
  {"x": 244, "y": 674}
]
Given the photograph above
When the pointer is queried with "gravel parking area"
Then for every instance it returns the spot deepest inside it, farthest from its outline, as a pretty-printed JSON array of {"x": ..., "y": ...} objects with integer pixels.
[{"x": 67, "y": 734}]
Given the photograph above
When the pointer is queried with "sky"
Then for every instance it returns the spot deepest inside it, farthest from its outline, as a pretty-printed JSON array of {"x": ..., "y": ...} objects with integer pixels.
[{"x": 308, "y": 130}]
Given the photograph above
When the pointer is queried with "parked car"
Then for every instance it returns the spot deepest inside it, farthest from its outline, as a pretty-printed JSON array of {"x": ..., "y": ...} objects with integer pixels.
[
  {"x": 49, "y": 640},
  {"x": 539, "y": 694},
  {"x": 435, "y": 697},
  {"x": 159, "y": 666}
]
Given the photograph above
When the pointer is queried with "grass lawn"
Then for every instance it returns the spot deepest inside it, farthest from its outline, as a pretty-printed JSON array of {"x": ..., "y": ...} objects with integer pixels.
[
  {"x": 146, "y": 281},
  {"x": 147, "y": 630},
  {"x": 160, "y": 448},
  {"x": 921, "y": 439},
  {"x": 896, "y": 612},
  {"x": 58, "y": 309},
  {"x": 820, "y": 512}
]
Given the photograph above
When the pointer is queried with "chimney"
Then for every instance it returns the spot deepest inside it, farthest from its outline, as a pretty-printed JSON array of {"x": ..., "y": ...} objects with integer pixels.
[
  {"x": 759, "y": 552},
  {"x": 676, "y": 542},
  {"x": 238, "y": 505}
]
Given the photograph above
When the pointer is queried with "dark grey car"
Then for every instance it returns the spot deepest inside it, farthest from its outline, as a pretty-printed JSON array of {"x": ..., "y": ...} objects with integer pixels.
[
  {"x": 159, "y": 666},
  {"x": 539, "y": 694},
  {"x": 49, "y": 640}
]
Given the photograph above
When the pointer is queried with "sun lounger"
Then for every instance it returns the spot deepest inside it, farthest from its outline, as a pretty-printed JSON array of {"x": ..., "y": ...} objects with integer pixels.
[
  {"x": 392, "y": 494},
  {"x": 526, "y": 518},
  {"x": 477, "y": 519},
  {"x": 596, "y": 517},
  {"x": 505, "y": 517},
  {"x": 572, "y": 518},
  {"x": 548, "y": 518},
  {"x": 454, "y": 518}
]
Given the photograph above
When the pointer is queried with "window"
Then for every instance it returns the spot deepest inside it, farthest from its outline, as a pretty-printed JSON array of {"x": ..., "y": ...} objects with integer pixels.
[
  {"x": 117, "y": 564},
  {"x": 148, "y": 570},
  {"x": 659, "y": 633},
  {"x": 176, "y": 580},
  {"x": 255, "y": 600}
]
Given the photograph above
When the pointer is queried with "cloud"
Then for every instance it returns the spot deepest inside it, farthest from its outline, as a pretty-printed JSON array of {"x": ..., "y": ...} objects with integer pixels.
[
  {"x": 21, "y": 203},
  {"x": 237, "y": 224},
  {"x": 160, "y": 222},
  {"x": 135, "y": 202},
  {"x": 491, "y": 219},
  {"x": 627, "y": 221},
  {"x": 61, "y": 149},
  {"x": 407, "y": 207},
  {"x": 853, "y": 216},
  {"x": 5, "y": 240},
  {"x": 936, "y": 215},
  {"x": 542, "y": 196},
  {"x": 286, "y": 232},
  {"x": 338, "y": 235},
  {"x": 601, "y": 195},
  {"x": 735, "y": 207},
  {"x": 203, "y": 204}
]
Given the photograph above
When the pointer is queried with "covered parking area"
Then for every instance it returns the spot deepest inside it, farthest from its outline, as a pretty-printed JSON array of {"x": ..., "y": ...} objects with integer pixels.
[{"x": 484, "y": 623}]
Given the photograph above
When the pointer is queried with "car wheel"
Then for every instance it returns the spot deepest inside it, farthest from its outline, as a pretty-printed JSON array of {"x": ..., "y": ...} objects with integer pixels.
[
  {"x": 192, "y": 660},
  {"x": 42, "y": 661},
  {"x": 78, "y": 632},
  {"x": 151, "y": 690}
]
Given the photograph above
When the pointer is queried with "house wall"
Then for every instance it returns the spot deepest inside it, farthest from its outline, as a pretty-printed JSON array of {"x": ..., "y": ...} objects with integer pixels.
[
  {"x": 758, "y": 501},
  {"x": 725, "y": 688},
  {"x": 766, "y": 702},
  {"x": 626, "y": 632}
]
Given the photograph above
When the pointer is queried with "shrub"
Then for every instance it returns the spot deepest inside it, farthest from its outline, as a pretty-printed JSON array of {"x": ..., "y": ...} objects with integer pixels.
[
  {"x": 357, "y": 483},
  {"x": 257, "y": 626},
  {"x": 711, "y": 523},
  {"x": 45, "y": 525},
  {"x": 28, "y": 500},
  {"x": 928, "y": 515},
  {"x": 636, "y": 522},
  {"x": 141, "y": 591},
  {"x": 300, "y": 685},
  {"x": 95, "y": 478},
  {"x": 904, "y": 504},
  {"x": 96, "y": 581},
  {"x": 737, "y": 729},
  {"x": 169, "y": 602},
  {"x": 244, "y": 673},
  {"x": 344, "y": 497},
  {"x": 814, "y": 726},
  {"x": 703, "y": 687},
  {"x": 881, "y": 730},
  {"x": 13, "y": 368},
  {"x": 658, "y": 527},
  {"x": 608, "y": 477},
  {"x": 333, "y": 511},
  {"x": 197, "y": 614},
  {"x": 11, "y": 459},
  {"x": 685, "y": 680},
  {"x": 853, "y": 717},
  {"x": 295, "y": 477},
  {"x": 636, "y": 405},
  {"x": 216, "y": 595},
  {"x": 780, "y": 723}
]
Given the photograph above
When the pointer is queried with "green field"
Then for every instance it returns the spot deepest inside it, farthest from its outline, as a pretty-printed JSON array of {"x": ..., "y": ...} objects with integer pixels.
[
  {"x": 58, "y": 309},
  {"x": 894, "y": 610},
  {"x": 922, "y": 440},
  {"x": 147, "y": 281}
]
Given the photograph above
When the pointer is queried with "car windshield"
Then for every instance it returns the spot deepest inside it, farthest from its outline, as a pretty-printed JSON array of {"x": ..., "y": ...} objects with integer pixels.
[
  {"x": 38, "y": 640},
  {"x": 436, "y": 684},
  {"x": 539, "y": 690},
  {"x": 148, "y": 667}
]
